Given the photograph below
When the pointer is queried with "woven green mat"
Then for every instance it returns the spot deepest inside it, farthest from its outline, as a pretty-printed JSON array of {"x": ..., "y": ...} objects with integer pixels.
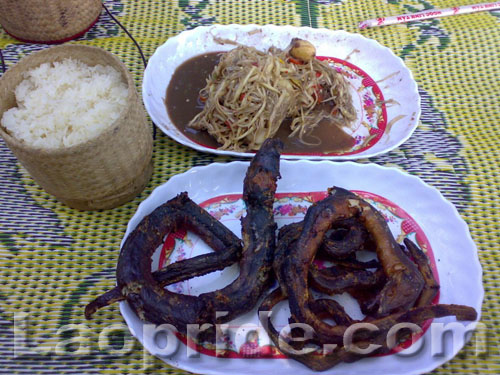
[{"x": 54, "y": 260}]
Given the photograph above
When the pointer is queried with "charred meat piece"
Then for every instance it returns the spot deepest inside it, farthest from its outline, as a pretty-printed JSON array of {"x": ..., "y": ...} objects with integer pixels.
[
  {"x": 178, "y": 212},
  {"x": 398, "y": 287},
  {"x": 313, "y": 354},
  {"x": 404, "y": 282},
  {"x": 287, "y": 235},
  {"x": 146, "y": 295},
  {"x": 258, "y": 234},
  {"x": 395, "y": 287},
  {"x": 344, "y": 238},
  {"x": 307, "y": 353},
  {"x": 177, "y": 272},
  {"x": 335, "y": 280},
  {"x": 431, "y": 286}
]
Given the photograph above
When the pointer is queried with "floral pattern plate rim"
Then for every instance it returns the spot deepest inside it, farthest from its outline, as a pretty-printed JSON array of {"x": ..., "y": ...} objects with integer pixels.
[
  {"x": 384, "y": 92},
  {"x": 459, "y": 270}
]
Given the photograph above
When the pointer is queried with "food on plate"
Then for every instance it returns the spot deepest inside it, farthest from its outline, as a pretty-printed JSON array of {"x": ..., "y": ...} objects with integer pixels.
[
  {"x": 402, "y": 285},
  {"x": 336, "y": 280},
  {"x": 313, "y": 353},
  {"x": 157, "y": 305},
  {"x": 251, "y": 93},
  {"x": 225, "y": 253},
  {"x": 431, "y": 286},
  {"x": 302, "y": 50},
  {"x": 65, "y": 103},
  {"x": 404, "y": 281},
  {"x": 311, "y": 260}
]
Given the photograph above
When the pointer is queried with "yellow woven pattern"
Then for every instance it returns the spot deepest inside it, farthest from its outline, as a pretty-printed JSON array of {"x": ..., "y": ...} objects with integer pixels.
[{"x": 54, "y": 260}]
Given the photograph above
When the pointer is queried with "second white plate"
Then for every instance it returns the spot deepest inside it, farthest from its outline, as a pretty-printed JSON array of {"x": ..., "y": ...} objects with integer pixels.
[
  {"x": 384, "y": 92},
  {"x": 411, "y": 207}
]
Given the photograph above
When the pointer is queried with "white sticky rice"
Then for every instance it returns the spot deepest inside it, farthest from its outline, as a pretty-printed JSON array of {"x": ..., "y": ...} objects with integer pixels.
[{"x": 64, "y": 103}]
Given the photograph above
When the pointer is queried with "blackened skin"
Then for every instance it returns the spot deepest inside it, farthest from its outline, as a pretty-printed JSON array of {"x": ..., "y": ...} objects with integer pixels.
[
  {"x": 404, "y": 282},
  {"x": 297, "y": 274},
  {"x": 341, "y": 277},
  {"x": 294, "y": 267},
  {"x": 344, "y": 238},
  {"x": 332, "y": 280},
  {"x": 431, "y": 287},
  {"x": 179, "y": 271},
  {"x": 287, "y": 235},
  {"x": 369, "y": 297},
  {"x": 180, "y": 212},
  {"x": 324, "y": 308},
  {"x": 336, "y": 280},
  {"x": 310, "y": 359},
  {"x": 154, "y": 304},
  {"x": 330, "y": 309}
]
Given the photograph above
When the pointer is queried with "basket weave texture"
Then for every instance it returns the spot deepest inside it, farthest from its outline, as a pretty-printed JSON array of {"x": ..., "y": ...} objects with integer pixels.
[
  {"x": 102, "y": 172},
  {"x": 48, "y": 21}
]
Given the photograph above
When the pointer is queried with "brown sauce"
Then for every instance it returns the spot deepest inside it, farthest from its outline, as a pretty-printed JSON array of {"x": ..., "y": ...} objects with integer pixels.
[{"x": 183, "y": 104}]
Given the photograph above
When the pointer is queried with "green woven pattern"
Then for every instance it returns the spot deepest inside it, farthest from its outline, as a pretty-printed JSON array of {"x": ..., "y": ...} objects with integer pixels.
[{"x": 54, "y": 260}]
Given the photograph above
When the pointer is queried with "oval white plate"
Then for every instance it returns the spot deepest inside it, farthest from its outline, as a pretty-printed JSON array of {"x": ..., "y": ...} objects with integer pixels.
[
  {"x": 373, "y": 71},
  {"x": 454, "y": 252}
]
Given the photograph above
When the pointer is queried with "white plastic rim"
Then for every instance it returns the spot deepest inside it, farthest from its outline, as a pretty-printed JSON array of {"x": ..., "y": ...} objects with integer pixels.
[
  {"x": 388, "y": 71},
  {"x": 455, "y": 253}
]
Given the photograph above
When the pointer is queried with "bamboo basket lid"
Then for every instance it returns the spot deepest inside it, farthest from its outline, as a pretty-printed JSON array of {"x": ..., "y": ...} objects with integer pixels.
[{"x": 48, "y": 21}]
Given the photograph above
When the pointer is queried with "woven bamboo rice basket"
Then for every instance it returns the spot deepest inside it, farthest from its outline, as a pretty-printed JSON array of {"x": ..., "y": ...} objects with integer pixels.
[
  {"x": 99, "y": 173},
  {"x": 48, "y": 21}
]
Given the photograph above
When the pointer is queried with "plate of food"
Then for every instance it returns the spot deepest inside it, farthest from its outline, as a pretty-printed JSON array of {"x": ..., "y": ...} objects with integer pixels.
[
  {"x": 326, "y": 94},
  {"x": 221, "y": 265}
]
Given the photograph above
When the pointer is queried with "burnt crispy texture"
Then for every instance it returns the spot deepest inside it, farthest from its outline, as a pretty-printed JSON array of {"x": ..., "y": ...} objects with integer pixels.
[
  {"x": 346, "y": 237},
  {"x": 287, "y": 235},
  {"x": 335, "y": 280},
  {"x": 145, "y": 293},
  {"x": 399, "y": 290},
  {"x": 346, "y": 273},
  {"x": 431, "y": 287},
  {"x": 324, "y": 359},
  {"x": 306, "y": 354},
  {"x": 258, "y": 235},
  {"x": 176, "y": 272},
  {"x": 396, "y": 288},
  {"x": 176, "y": 213},
  {"x": 404, "y": 282}
]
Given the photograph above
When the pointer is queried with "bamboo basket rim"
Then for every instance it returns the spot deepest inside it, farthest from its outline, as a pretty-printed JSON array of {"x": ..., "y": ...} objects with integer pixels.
[
  {"x": 81, "y": 145},
  {"x": 55, "y": 41}
]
